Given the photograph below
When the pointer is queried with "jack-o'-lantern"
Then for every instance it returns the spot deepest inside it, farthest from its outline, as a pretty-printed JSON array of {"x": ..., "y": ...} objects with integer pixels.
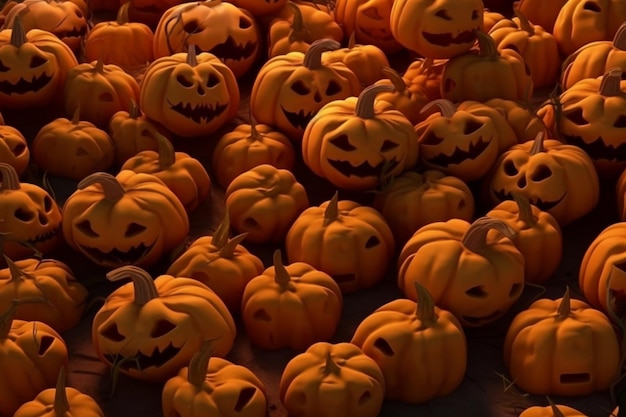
[
  {"x": 215, "y": 26},
  {"x": 290, "y": 89},
  {"x": 355, "y": 142},
  {"x": 34, "y": 67},
  {"x": 31, "y": 219},
  {"x": 331, "y": 380},
  {"x": 436, "y": 28},
  {"x": 369, "y": 20},
  {"x": 409, "y": 95},
  {"x": 562, "y": 347},
  {"x": 557, "y": 178},
  {"x": 150, "y": 328},
  {"x": 190, "y": 95},
  {"x": 14, "y": 148},
  {"x": 475, "y": 274},
  {"x": 499, "y": 114},
  {"x": 129, "y": 219},
  {"x": 350, "y": 242}
]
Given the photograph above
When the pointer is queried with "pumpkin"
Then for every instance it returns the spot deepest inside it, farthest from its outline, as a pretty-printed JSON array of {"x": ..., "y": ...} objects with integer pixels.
[
  {"x": 522, "y": 118},
  {"x": 475, "y": 274},
  {"x": 487, "y": 73},
  {"x": 562, "y": 347},
  {"x": 72, "y": 148},
  {"x": 552, "y": 410},
  {"x": 412, "y": 200},
  {"x": 150, "y": 328},
  {"x": 221, "y": 263},
  {"x": 254, "y": 197},
  {"x": 350, "y": 242},
  {"x": 290, "y": 89},
  {"x": 537, "y": 236},
  {"x": 291, "y": 306},
  {"x": 354, "y": 142},
  {"x": 180, "y": 172},
  {"x": 393, "y": 332},
  {"x": 31, "y": 352},
  {"x": 409, "y": 95},
  {"x": 35, "y": 67},
  {"x": 218, "y": 27},
  {"x": 127, "y": 219},
  {"x": 31, "y": 218},
  {"x": 436, "y": 28},
  {"x": 60, "y": 401},
  {"x": 490, "y": 18},
  {"x": 557, "y": 178},
  {"x": 426, "y": 72},
  {"x": 250, "y": 145},
  {"x": 328, "y": 380},
  {"x": 369, "y": 20},
  {"x": 14, "y": 148},
  {"x": 542, "y": 13},
  {"x": 190, "y": 95},
  {"x": 49, "y": 279},
  {"x": 213, "y": 386}
]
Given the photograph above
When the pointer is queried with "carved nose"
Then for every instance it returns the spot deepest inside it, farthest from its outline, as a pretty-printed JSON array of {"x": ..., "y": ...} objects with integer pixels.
[
  {"x": 200, "y": 90},
  {"x": 522, "y": 182},
  {"x": 317, "y": 98}
]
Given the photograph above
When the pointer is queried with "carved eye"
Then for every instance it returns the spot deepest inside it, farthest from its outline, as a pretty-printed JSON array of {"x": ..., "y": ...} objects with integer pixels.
[
  {"x": 388, "y": 145},
  {"x": 244, "y": 398},
  {"x": 134, "y": 229},
  {"x": 372, "y": 13},
  {"x": 343, "y": 143},
  {"x": 471, "y": 127},
  {"x": 509, "y": 168},
  {"x": 576, "y": 116},
  {"x": 541, "y": 173},
  {"x": 244, "y": 23},
  {"x": 3, "y": 68},
  {"x": 47, "y": 204},
  {"x": 24, "y": 215},
  {"x": 161, "y": 328},
  {"x": 37, "y": 61},
  {"x": 431, "y": 139},
  {"x": 111, "y": 332},
  {"x": 191, "y": 26},
  {"x": 213, "y": 81},
  {"x": 477, "y": 292},
  {"x": 333, "y": 88},
  {"x": 182, "y": 80},
  {"x": 300, "y": 88},
  {"x": 371, "y": 242},
  {"x": 620, "y": 122},
  {"x": 443, "y": 14},
  {"x": 85, "y": 228},
  {"x": 44, "y": 344},
  {"x": 475, "y": 14}
]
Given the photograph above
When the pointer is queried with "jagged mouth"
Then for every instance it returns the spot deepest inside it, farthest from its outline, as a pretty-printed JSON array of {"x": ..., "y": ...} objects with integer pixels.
[
  {"x": 459, "y": 155},
  {"x": 446, "y": 39},
  {"x": 74, "y": 33},
  {"x": 598, "y": 149},
  {"x": 116, "y": 257},
  {"x": 23, "y": 86},
  {"x": 380, "y": 34},
  {"x": 200, "y": 113},
  {"x": 232, "y": 50},
  {"x": 538, "y": 202},
  {"x": 364, "y": 169},
  {"x": 44, "y": 237},
  {"x": 298, "y": 120},
  {"x": 141, "y": 361}
]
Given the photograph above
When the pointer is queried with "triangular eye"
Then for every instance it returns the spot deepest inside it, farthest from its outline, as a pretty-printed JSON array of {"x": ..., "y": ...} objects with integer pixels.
[
  {"x": 471, "y": 127},
  {"x": 191, "y": 26},
  {"x": 333, "y": 88},
  {"x": 431, "y": 139},
  {"x": 300, "y": 88},
  {"x": 443, "y": 14},
  {"x": 343, "y": 143},
  {"x": 134, "y": 229},
  {"x": 592, "y": 6},
  {"x": 576, "y": 116},
  {"x": 44, "y": 344},
  {"x": 37, "y": 61},
  {"x": 213, "y": 81},
  {"x": 244, "y": 23},
  {"x": 475, "y": 14},
  {"x": 4, "y": 68},
  {"x": 85, "y": 227},
  {"x": 542, "y": 172},
  {"x": 388, "y": 145},
  {"x": 620, "y": 122},
  {"x": 184, "y": 81},
  {"x": 161, "y": 328},
  {"x": 372, "y": 13}
]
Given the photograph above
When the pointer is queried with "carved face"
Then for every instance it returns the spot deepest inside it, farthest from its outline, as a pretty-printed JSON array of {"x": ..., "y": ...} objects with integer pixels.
[
  {"x": 13, "y": 148},
  {"x": 372, "y": 24}
]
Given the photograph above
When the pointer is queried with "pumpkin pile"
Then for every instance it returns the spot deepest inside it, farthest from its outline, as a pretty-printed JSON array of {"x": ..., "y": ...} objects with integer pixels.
[{"x": 234, "y": 172}]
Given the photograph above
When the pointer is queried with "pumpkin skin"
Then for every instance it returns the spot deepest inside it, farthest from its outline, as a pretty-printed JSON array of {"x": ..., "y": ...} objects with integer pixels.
[
  {"x": 212, "y": 386},
  {"x": 30, "y": 215},
  {"x": 291, "y": 306},
  {"x": 426, "y": 72},
  {"x": 580, "y": 350},
  {"x": 129, "y": 219},
  {"x": 14, "y": 148},
  {"x": 395, "y": 330},
  {"x": 490, "y": 18},
  {"x": 474, "y": 274},
  {"x": 522, "y": 119},
  {"x": 542, "y": 13},
  {"x": 290, "y": 89},
  {"x": 436, "y": 28},
  {"x": 409, "y": 95},
  {"x": 332, "y": 379},
  {"x": 369, "y": 20},
  {"x": 161, "y": 322},
  {"x": 254, "y": 197},
  {"x": 548, "y": 411},
  {"x": 354, "y": 142},
  {"x": 190, "y": 95},
  {"x": 350, "y": 242}
]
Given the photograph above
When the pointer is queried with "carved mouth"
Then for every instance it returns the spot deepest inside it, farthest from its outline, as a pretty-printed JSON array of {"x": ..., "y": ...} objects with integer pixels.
[
  {"x": 459, "y": 155},
  {"x": 23, "y": 86},
  {"x": 538, "y": 202},
  {"x": 200, "y": 113},
  {"x": 232, "y": 50},
  {"x": 363, "y": 170},
  {"x": 298, "y": 120},
  {"x": 74, "y": 33},
  {"x": 116, "y": 257},
  {"x": 446, "y": 39},
  {"x": 379, "y": 34},
  {"x": 598, "y": 149},
  {"x": 140, "y": 361},
  {"x": 477, "y": 321},
  {"x": 43, "y": 237}
]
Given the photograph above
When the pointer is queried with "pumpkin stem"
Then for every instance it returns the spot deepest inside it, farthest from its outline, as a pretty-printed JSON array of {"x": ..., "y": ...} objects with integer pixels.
[
  {"x": 167, "y": 154},
  {"x": 199, "y": 363},
  {"x": 281, "y": 275},
  {"x": 425, "y": 306},
  {"x": 99, "y": 68},
  {"x": 556, "y": 411},
  {"x": 332, "y": 210},
  {"x": 352, "y": 40},
  {"x": 428, "y": 64},
  {"x": 619, "y": 40},
  {"x": 220, "y": 236},
  {"x": 446, "y": 107},
  {"x": 121, "y": 18},
  {"x": 192, "y": 57},
  {"x": 61, "y": 403},
  {"x": 134, "y": 112},
  {"x": 486, "y": 45},
  {"x": 525, "y": 209},
  {"x": 475, "y": 237},
  {"x": 228, "y": 250},
  {"x": 76, "y": 116},
  {"x": 9, "y": 176},
  {"x": 313, "y": 56},
  {"x": 395, "y": 78},
  {"x": 524, "y": 23},
  {"x": 538, "y": 144},
  {"x": 298, "y": 30},
  {"x": 111, "y": 187},
  {"x": 565, "y": 306},
  {"x": 330, "y": 367},
  {"x": 611, "y": 80},
  {"x": 365, "y": 103},
  {"x": 18, "y": 34},
  {"x": 254, "y": 133},
  {"x": 16, "y": 272},
  {"x": 143, "y": 284}
]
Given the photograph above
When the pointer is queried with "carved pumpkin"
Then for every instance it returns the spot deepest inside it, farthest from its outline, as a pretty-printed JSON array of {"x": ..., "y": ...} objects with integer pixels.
[
  {"x": 213, "y": 386},
  {"x": 409, "y": 95},
  {"x": 14, "y": 148},
  {"x": 350, "y": 242},
  {"x": 150, "y": 328},
  {"x": 557, "y": 178},
  {"x": 355, "y": 142},
  {"x": 190, "y": 95},
  {"x": 562, "y": 347},
  {"x": 436, "y": 28},
  {"x": 332, "y": 379},
  {"x": 291, "y": 306},
  {"x": 31, "y": 217},
  {"x": 129, "y": 219},
  {"x": 474, "y": 274},
  {"x": 290, "y": 89},
  {"x": 391, "y": 334},
  {"x": 369, "y": 20}
]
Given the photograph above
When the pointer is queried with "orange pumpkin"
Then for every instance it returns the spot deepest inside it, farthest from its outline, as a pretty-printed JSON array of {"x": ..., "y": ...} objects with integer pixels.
[
  {"x": 369, "y": 20},
  {"x": 409, "y": 95},
  {"x": 14, "y": 148},
  {"x": 552, "y": 410}
]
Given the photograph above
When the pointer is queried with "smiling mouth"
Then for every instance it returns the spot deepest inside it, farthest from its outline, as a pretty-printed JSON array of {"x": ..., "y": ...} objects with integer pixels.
[
  {"x": 23, "y": 86},
  {"x": 44, "y": 237},
  {"x": 446, "y": 39},
  {"x": 231, "y": 50},
  {"x": 365, "y": 169},
  {"x": 379, "y": 34},
  {"x": 598, "y": 149},
  {"x": 537, "y": 202},
  {"x": 459, "y": 155},
  {"x": 74, "y": 33},
  {"x": 300, "y": 119},
  {"x": 116, "y": 257},
  {"x": 200, "y": 113},
  {"x": 141, "y": 361}
]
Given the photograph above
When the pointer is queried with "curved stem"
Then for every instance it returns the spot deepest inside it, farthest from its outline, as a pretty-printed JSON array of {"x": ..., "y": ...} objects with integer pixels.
[
  {"x": 538, "y": 144},
  {"x": 524, "y": 23},
  {"x": 475, "y": 237},
  {"x": 565, "y": 307},
  {"x": 17, "y": 275},
  {"x": 313, "y": 56},
  {"x": 486, "y": 45},
  {"x": 228, "y": 250},
  {"x": 298, "y": 29},
  {"x": 446, "y": 107},
  {"x": 99, "y": 68},
  {"x": 134, "y": 112},
  {"x": 525, "y": 208},
  {"x": 111, "y": 187},
  {"x": 330, "y": 367},
  {"x": 192, "y": 58},
  {"x": 18, "y": 34},
  {"x": 332, "y": 210},
  {"x": 425, "y": 306},
  {"x": 610, "y": 85},
  {"x": 395, "y": 78},
  {"x": 61, "y": 403},
  {"x": 199, "y": 364},
  {"x": 76, "y": 116},
  {"x": 619, "y": 40},
  {"x": 281, "y": 275},
  {"x": 10, "y": 178},
  {"x": 556, "y": 411},
  {"x": 145, "y": 289},
  {"x": 167, "y": 154},
  {"x": 365, "y": 103},
  {"x": 220, "y": 236},
  {"x": 254, "y": 133},
  {"x": 352, "y": 40}
]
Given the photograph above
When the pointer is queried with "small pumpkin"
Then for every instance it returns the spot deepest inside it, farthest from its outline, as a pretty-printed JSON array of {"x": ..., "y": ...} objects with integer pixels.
[
  {"x": 369, "y": 20},
  {"x": 14, "y": 148},
  {"x": 552, "y": 410},
  {"x": 291, "y": 306},
  {"x": 150, "y": 328}
]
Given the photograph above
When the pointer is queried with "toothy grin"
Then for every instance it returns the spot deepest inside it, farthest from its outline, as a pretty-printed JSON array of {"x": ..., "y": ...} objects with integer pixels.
[
  {"x": 598, "y": 149},
  {"x": 300, "y": 119},
  {"x": 74, "y": 33},
  {"x": 44, "y": 236},
  {"x": 232, "y": 50},
  {"x": 365, "y": 169},
  {"x": 446, "y": 39},
  {"x": 200, "y": 113},
  {"x": 539, "y": 203},
  {"x": 459, "y": 155},
  {"x": 141, "y": 361},
  {"x": 116, "y": 257},
  {"x": 23, "y": 86}
]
